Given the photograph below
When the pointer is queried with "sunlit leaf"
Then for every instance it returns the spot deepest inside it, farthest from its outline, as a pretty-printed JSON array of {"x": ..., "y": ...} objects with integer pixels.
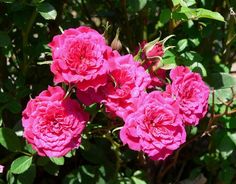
[
  {"x": 47, "y": 11},
  {"x": 21, "y": 164}
]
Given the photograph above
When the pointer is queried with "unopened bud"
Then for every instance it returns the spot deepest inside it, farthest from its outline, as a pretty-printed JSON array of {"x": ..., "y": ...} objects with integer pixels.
[
  {"x": 155, "y": 49},
  {"x": 116, "y": 43}
]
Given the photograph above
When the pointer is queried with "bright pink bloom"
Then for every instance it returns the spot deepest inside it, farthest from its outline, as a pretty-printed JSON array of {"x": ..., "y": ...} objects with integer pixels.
[
  {"x": 52, "y": 124},
  {"x": 158, "y": 78},
  {"x": 155, "y": 127},
  {"x": 191, "y": 92},
  {"x": 128, "y": 80},
  {"x": 1, "y": 168},
  {"x": 91, "y": 96},
  {"x": 80, "y": 57}
]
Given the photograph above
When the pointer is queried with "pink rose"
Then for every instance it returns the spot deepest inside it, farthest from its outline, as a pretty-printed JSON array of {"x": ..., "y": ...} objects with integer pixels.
[
  {"x": 155, "y": 127},
  {"x": 52, "y": 124},
  {"x": 1, "y": 168},
  {"x": 91, "y": 96},
  {"x": 80, "y": 57},
  {"x": 158, "y": 78},
  {"x": 191, "y": 93},
  {"x": 128, "y": 80}
]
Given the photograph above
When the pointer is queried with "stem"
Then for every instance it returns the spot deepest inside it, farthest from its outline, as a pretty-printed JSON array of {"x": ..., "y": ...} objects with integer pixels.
[
  {"x": 68, "y": 92},
  {"x": 116, "y": 148},
  {"x": 229, "y": 37},
  {"x": 25, "y": 37},
  {"x": 126, "y": 23}
]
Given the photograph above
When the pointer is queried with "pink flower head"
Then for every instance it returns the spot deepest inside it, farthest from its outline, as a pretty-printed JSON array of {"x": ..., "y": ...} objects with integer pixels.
[
  {"x": 191, "y": 92},
  {"x": 155, "y": 127},
  {"x": 80, "y": 57},
  {"x": 52, "y": 124},
  {"x": 128, "y": 80},
  {"x": 158, "y": 78},
  {"x": 1, "y": 168},
  {"x": 91, "y": 96}
]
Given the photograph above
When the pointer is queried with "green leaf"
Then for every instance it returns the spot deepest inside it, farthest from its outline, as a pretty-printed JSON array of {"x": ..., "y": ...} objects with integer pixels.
[
  {"x": 221, "y": 95},
  {"x": 51, "y": 168},
  {"x": 4, "y": 97},
  {"x": 226, "y": 174},
  {"x": 176, "y": 2},
  {"x": 168, "y": 61},
  {"x": 47, "y": 11},
  {"x": 195, "y": 41},
  {"x": 58, "y": 161},
  {"x": 134, "y": 6},
  {"x": 165, "y": 16},
  {"x": 7, "y": 1},
  {"x": 222, "y": 80},
  {"x": 185, "y": 13},
  {"x": 9, "y": 140},
  {"x": 204, "y": 13},
  {"x": 189, "y": 58},
  {"x": 182, "y": 44},
  {"x": 28, "y": 176},
  {"x": 1, "y": 121},
  {"x": 184, "y": 3},
  {"x": 21, "y": 164},
  {"x": 232, "y": 136},
  {"x": 28, "y": 147},
  {"x": 13, "y": 106},
  {"x": 226, "y": 146},
  {"x": 190, "y": 2},
  {"x": 223, "y": 84},
  {"x": 73, "y": 177},
  {"x": 138, "y": 177},
  {"x": 4, "y": 39},
  {"x": 230, "y": 122},
  {"x": 138, "y": 181},
  {"x": 199, "y": 68},
  {"x": 42, "y": 161},
  {"x": 10, "y": 177}
]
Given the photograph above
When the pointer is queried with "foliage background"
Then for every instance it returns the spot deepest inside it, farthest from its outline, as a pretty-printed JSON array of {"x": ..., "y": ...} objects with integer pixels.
[{"x": 204, "y": 40}]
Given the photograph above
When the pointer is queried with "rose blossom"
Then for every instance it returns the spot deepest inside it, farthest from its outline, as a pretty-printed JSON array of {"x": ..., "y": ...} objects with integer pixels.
[
  {"x": 155, "y": 127},
  {"x": 128, "y": 80},
  {"x": 191, "y": 92},
  {"x": 80, "y": 57},
  {"x": 52, "y": 124},
  {"x": 1, "y": 168}
]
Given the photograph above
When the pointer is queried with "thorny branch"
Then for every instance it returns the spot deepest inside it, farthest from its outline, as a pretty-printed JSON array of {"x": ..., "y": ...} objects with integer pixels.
[{"x": 210, "y": 128}]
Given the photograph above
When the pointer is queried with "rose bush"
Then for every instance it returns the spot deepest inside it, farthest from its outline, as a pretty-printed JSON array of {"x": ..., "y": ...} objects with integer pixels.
[
  {"x": 111, "y": 117},
  {"x": 154, "y": 122}
]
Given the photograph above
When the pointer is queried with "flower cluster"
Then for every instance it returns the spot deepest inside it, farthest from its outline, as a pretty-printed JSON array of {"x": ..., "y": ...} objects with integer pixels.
[{"x": 154, "y": 122}]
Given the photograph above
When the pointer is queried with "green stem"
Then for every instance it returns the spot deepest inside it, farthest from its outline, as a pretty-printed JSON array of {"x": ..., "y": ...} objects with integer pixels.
[
  {"x": 25, "y": 38},
  {"x": 229, "y": 37},
  {"x": 115, "y": 147}
]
